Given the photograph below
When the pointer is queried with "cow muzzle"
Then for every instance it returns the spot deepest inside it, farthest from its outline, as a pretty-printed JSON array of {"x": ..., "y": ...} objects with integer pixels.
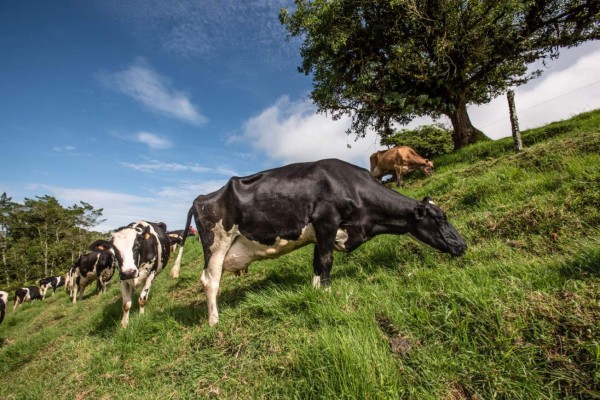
[{"x": 128, "y": 274}]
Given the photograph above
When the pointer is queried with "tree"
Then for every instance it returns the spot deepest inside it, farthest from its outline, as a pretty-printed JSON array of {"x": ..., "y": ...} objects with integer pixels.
[
  {"x": 7, "y": 208},
  {"x": 388, "y": 61}
]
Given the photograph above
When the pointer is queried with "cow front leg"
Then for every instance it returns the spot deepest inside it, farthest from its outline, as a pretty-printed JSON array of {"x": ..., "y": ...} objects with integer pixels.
[
  {"x": 99, "y": 285},
  {"x": 81, "y": 289},
  {"x": 146, "y": 292},
  {"x": 399, "y": 172},
  {"x": 126, "y": 294},
  {"x": 74, "y": 292},
  {"x": 317, "y": 268},
  {"x": 323, "y": 256}
]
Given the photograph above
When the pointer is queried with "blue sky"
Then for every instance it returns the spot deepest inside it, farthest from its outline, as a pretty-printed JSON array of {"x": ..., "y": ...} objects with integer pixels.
[{"x": 138, "y": 106}]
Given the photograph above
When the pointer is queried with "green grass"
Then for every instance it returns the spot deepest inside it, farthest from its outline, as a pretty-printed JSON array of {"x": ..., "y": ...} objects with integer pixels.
[{"x": 518, "y": 317}]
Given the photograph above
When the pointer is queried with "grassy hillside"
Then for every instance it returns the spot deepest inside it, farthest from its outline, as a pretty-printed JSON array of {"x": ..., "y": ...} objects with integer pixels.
[{"x": 517, "y": 317}]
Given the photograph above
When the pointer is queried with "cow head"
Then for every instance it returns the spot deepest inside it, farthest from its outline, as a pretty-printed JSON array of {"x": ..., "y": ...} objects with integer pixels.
[
  {"x": 428, "y": 167},
  {"x": 44, "y": 285},
  {"x": 133, "y": 245},
  {"x": 432, "y": 227}
]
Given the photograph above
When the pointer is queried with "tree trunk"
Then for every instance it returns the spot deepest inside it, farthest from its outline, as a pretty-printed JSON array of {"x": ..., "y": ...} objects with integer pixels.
[
  {"x": 514, "y": 121},
  {"x": 5, "y": 268},
  {"x": 464, "y": 132}
]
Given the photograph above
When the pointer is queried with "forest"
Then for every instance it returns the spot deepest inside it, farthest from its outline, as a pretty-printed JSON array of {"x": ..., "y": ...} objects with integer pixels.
[{"x": 41, "y": 238}]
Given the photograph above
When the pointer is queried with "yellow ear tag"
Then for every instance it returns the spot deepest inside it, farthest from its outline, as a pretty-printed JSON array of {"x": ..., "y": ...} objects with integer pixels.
[
  {"x": 101, "y": 248},
  {"x": 147, "y": 236}
]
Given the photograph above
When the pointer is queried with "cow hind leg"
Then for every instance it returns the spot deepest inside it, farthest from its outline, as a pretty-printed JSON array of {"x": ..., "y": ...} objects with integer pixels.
[
  {"x": 145, "y": 292},
  {"x": 177, "y": 265},
  {"x": 211, "y": 278}
]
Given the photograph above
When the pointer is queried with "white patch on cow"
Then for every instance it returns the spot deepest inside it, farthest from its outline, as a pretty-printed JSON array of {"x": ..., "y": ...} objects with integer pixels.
[
  {"x": 244, "y": 251},
  {"x": 341, "y": 236},
  {"x": 4, "y": 297},
  {"x": 123, "y": 240}
]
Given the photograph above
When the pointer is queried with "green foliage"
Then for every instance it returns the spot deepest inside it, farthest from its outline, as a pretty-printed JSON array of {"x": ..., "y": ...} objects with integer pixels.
[
  {"x": 515, "y": 318},
  {"x": 388, "y": 60},
  {"x": 428, "y": 141},
  {"x": 42, "y": 238}
]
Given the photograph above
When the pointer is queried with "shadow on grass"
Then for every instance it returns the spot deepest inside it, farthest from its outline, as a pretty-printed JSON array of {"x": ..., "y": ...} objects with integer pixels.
[
  {"x": 235, "y": 292},
  {"x": 584, "y": 265},
  {"x": 109, "y": 320}
]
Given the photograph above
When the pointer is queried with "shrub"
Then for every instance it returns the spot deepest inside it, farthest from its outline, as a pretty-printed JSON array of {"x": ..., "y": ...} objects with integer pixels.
[{"x": 427, "y": 140}]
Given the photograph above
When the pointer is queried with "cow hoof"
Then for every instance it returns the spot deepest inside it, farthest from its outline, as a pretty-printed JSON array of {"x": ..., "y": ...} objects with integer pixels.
[
  {"x": 174, "y": 275},
  {"x": 212, "y": 321}
]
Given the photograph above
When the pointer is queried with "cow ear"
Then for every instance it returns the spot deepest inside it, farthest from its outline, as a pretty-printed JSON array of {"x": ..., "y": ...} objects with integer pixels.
[{"x": 420, "y": 211}]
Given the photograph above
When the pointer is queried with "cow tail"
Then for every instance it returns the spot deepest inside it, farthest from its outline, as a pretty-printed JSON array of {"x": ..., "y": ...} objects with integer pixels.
[
  {"x": 177, "y": 265},
  {"x": 188, "y": 222},
  {"x": 2, "y": 310}
]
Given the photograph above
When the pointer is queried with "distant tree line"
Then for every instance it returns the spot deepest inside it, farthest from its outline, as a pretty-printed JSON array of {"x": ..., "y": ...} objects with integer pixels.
[{"x": 41, "y": 238}]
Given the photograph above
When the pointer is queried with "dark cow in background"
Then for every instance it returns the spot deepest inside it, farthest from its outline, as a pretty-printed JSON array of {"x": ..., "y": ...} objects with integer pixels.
[
  {"x": 24, "y": 294},
  {"x": 336, "y": 205},
  {"x": 176, "y": 240},
  {"x": 50, "y": 282},
  {"x": 3, "y": 302},
  {"x": 398, "y": 161},
  {"x": 142, "y": 250},
  {"x": 97, "y": 265}
]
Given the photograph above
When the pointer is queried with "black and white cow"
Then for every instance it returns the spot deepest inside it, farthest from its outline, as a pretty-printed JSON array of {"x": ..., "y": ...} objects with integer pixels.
[
  {"x": 50, "y": 282},
  {"x": 176, "y": 240},
  {"x": 336, "y": 205},
  {"x": 3, "y": 302},
  {"x": 24, "y": 294},
  {"x": 97, "y": 265},
  {"x": 142, "y": 250}
]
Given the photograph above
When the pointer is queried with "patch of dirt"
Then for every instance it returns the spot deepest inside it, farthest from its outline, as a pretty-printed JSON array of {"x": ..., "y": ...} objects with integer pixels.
[{"x": 399, "y": 344}]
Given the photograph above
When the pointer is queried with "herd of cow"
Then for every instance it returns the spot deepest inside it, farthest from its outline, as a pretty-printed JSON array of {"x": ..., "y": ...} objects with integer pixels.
[{"x": 331, "y": 203}]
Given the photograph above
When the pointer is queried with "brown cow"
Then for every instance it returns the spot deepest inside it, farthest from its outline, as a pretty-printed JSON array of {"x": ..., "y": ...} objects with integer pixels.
[{"x": 398, "y": 161}]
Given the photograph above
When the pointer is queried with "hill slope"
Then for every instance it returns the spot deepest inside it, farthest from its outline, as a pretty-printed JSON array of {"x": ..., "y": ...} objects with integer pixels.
[{"x": 516, "y": 317}]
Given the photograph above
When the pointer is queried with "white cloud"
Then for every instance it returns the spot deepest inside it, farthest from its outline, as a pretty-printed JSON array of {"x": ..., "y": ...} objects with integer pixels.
[
  {"x": 169, "y": 205},
  {"x": 554, "y": 96},
  {"x": 64, "y": 149},
  {"x": 161, "y": 166},
  {"x": 293, "y": 132},
  {"x": 153, "y": 91},
  {"x": 211, "y": 29},
  {"x": 153, "y": 141}
]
